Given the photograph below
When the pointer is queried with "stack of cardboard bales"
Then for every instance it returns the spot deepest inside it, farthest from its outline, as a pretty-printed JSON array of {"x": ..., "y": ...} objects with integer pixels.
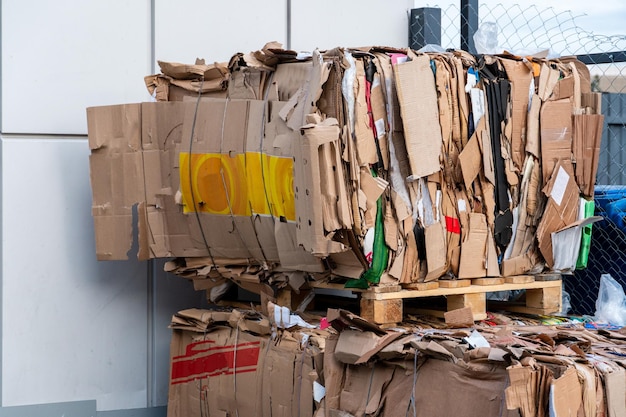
[
  {"x": 227, "y": 363},
  {"x": 379, "y": 165}
]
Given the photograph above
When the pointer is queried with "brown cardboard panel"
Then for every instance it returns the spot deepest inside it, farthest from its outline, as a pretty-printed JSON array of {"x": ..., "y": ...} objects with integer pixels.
[
  {"x": 566, "y": 394},
  {"x": 373, "y": 188},
  {"x": 161, "y": 136},
  {"x": 489, "y": 168},
  {"x": 291, "y": 255},
  {"x": 365, "y": 145},
  {"x": 197, "y": 386},
  {"x": 116, "y": 176},
  {"x": 493, "y": 269},
  {"x": 587, "y": 136},
  {"x": 556, "y": 135},
  {"x": 532, "y": 127},
  {"x": 310, "y": 226},
  {"x": 289, "y": 77},
  {"x": 518, "y": 265},
  {"x": 359, "y": 382},
  {"x": 435, "y": 251},
  {"x": 561, "y": 209},
  {"x": 522, "y": 391},
  {"x": 548, "y": 78},
  {"x": 304, "y": 101},
  {"x": 474, "y": 248},
  {"x": 379, "y": 115},
  {"x": 564, "y": 88},
  {"x": 418, "y": 106},
  {"x": 471, "y": 158},
  {"x": 615, "y": 384},
  {"x": 479, "y": 384},
  {"x": 353, "y": 344}
]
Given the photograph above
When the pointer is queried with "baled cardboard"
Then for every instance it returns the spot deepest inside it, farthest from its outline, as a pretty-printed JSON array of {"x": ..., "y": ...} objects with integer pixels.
[
  {"x": 152, "y": 174},
  {"x": 277, "y": 175},
  {"x": 205, "y": 378},
  {"x": 218, "y": 369}
]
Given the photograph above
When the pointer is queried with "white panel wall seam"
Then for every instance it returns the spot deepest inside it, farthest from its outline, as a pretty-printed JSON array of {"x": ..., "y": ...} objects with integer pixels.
[
  {"x": 151, "y": 273},
  {"x": 1, "y": 208},
  {"x": 40, "y": 136}
]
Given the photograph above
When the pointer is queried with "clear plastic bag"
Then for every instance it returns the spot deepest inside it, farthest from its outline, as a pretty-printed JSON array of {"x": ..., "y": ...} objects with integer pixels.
[
  {"x": 486, "y": 39},
  {"x": 611, "y": 302},
  {"x": 566, "y": 305}
]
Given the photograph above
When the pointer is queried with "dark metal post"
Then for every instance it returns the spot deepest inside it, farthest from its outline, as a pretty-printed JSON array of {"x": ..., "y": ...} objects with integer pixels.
[
  {"x": 469, "y": 24},
  {"x": 424, "y": 27}
]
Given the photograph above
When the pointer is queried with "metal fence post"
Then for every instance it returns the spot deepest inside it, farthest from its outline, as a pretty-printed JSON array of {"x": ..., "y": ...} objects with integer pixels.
[
  {"x": 469, "y": 24},
  {"x": 424, "y": 27}
]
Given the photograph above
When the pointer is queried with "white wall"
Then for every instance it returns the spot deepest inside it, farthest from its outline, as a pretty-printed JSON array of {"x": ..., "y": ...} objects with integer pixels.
[
  {"x": 327, "y": 24},
  {"x": 61, "y": 56},
  {"x": 190, "y": 29},
  {"x": 75, "y": 329}
]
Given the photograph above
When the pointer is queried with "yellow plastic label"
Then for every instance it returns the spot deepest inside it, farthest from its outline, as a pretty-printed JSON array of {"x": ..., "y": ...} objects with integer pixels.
[{"x": 238, "y": 185}]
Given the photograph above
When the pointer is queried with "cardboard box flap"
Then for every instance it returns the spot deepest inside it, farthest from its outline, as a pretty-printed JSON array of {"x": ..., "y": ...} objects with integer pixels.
[
  {"x": 341, "y": 319},
  {"x": 565, "y": 394},
  {"x": 304, "y": 101},
  {"x": 470, "y": 157},
  {"x": 116, "y": 127},
  {"x": 117, "y": 178},
  {"x": 310, "y": 223},
  {"x": 357, "y": 346},
  {"x": 198, "y": 70}
]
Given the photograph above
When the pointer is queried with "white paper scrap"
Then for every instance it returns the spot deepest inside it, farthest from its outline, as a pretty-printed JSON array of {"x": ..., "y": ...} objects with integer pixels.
[
  {"x": 560, "y": 185},
  {"x": 476, "y": 340},
  {"x": 319, "y": 391}
]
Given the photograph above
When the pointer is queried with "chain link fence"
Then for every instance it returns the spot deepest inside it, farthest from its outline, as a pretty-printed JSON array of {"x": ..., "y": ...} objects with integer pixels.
[{"x": 526, "y": 29}]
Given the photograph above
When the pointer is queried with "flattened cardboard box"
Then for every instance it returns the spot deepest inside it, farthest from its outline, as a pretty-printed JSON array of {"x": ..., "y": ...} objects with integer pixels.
[
  {"x": 228, "y": 372},
  {"x": 196, "y": 195}
]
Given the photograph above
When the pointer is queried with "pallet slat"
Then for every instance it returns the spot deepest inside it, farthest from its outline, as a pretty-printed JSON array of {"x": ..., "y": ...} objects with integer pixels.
[
  {"x": 384, "y": 304},
  {"x": 463, "y": 290}
]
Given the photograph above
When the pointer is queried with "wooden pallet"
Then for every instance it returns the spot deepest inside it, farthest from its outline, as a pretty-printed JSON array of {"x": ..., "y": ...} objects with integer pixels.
[{"x": 384, "y": 304}]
